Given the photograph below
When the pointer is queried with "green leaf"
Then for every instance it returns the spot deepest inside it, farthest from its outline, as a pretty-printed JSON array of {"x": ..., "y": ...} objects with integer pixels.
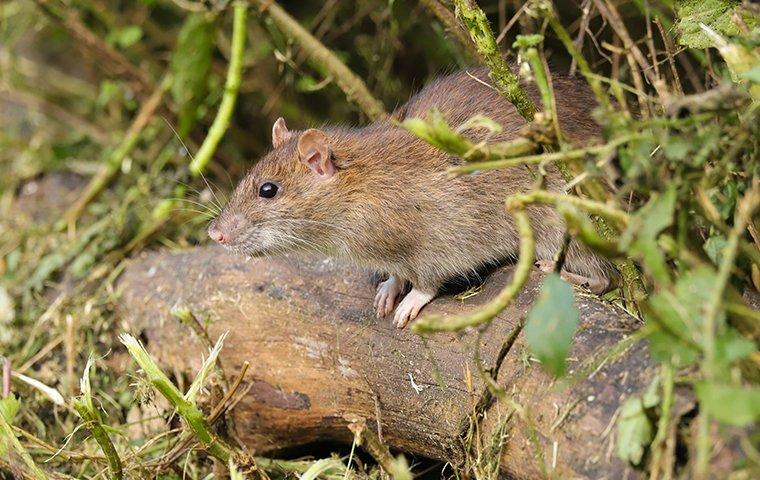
[
  {"x": 676, "y": 316},
  {"x": 551, "y": 324},
  {"x": 9, "y": 407},
  {"x": 125, "y": 37},
  {"x": 753, "y": 75},
  {"x": 716, "y": 14},
  {"x": 524, "y": 41},
  {"x": 730, "y": 346},
  {"x": 634, "y": 431},
  {"x": 714, "y": 248},
  {"x": 191, "y": 65},
  {"x": 729, "y": 404},
  {"x": 640, "y": 237}
]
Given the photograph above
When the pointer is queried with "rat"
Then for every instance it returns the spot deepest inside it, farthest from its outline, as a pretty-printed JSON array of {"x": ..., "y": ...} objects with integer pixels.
[{"x": 381, "y": 198}]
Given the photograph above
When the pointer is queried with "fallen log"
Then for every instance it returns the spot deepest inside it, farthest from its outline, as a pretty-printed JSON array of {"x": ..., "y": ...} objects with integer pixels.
[{"x": 319, "y": 358}]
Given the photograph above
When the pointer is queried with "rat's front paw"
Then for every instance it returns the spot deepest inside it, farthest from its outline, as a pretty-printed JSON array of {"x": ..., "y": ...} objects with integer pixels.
[
  {"x": 387, "y": 293},
  {"x": 410, "y": 307}
]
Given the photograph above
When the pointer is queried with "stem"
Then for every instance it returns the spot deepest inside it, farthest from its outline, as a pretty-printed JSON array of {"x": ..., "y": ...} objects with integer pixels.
[
  {"x": 9, "y": 437},
  {"x": 580, "y": 60},
  {"x": 189, "y": 412},
  {"x": 663, "y": 424},
  {"x": 94, "y": 424},
  {"x": 108, "y": 171},
  {"x": 451, "y": 25},
  {"x": 744, "y": 211},
  {"x": 397, "y": 468},
  {"x": 353, "y": 86},
  {"x": 506, "y": 82},
  {"x": 539, "y": 158},
  {"x": 231, "y": 88},
  {"x": 439, "y": 323},
  {"x": 597, "y": 208}
]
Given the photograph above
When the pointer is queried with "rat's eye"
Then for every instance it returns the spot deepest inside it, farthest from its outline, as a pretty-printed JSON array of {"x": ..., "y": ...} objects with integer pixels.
[{"x": 268, "y": 190}]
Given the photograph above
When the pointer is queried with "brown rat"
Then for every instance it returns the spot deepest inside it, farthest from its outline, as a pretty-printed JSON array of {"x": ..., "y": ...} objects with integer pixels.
[{"x": 380, "y": 197}]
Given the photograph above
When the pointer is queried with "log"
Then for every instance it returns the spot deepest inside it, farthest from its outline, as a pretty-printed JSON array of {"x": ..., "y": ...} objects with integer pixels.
[{"x": 319, "y": 357}]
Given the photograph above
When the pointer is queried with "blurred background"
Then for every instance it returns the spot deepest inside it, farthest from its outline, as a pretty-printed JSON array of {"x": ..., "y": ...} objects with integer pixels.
[{"x": 104, "y": 103}]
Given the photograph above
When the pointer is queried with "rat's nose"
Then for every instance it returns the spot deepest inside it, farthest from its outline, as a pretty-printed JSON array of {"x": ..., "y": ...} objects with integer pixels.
[{"x": 217, "y": 235}]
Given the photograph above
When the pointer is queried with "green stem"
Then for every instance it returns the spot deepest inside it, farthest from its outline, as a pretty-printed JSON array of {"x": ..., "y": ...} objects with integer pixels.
[
  {"x": 506, "y": 82},
  {"x": 658, "y": 444},
  {"x": 108, "y": 171},
  {"x": 580, "y": 60},
  {"x": 94, "y": 424},
  {"x": 189, "y": 412},
  {"x": 353, "y": 86},
  {"x": 619, "y": 217},
  {"x": 539, "y": 158},
  {"x": 9, "y": 437},
  {"x": 744, "y": 212},
  {"x": 439, "y": 323},
  {"x": 231, "y": 88}
]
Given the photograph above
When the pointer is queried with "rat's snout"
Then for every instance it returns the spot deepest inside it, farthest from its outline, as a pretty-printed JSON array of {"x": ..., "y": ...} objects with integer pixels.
[{"x": 227, "y": 229}]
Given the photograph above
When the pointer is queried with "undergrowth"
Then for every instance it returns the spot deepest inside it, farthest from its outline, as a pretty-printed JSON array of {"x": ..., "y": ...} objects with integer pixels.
[{"x": 103, "y": 112}]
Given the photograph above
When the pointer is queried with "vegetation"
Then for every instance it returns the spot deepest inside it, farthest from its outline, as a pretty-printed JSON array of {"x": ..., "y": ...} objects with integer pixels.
[{"x": 117, "y": 98}]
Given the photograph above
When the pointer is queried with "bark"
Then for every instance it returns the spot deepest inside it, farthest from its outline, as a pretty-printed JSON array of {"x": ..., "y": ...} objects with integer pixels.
[{"x": 318, "y": 356}]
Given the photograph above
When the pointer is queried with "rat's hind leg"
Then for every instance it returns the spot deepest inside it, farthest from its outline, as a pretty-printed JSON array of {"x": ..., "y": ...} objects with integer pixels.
[
  {"x": 597, "y": 285},
  {"x": 410, "y": 306},
  {"x": 387, "y": 293}
]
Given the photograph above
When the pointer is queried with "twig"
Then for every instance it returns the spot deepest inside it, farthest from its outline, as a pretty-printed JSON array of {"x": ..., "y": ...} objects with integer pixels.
[
  {"x": 395, "y": 467},
  {"x": 115, "y": 61},
  {"x": 451, "y": 25},
  {"x": 608, "y": 11},
  {"x": 189, "y": 412},
  {"x": 540, "y": 158},
  {"x": 593, "y": 81},
  {"x": 86, "y": 409},
  {"x": 353, "y": 86},
  {"x": 231, "y": 88},
  {"x": 108, "y": 171},
  {"x": 439, "y": 323},
  {"x": 506, "y": 82}
]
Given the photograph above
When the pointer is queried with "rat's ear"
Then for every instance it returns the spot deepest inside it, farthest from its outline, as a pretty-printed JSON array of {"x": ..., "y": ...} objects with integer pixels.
[
  {"x": 314, "y": 152},
  {"x": 280, "y": 133}
]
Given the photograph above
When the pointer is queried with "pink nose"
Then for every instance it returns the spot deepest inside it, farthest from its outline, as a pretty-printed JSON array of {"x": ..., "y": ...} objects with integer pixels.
[{"x": 217, "y": 235}]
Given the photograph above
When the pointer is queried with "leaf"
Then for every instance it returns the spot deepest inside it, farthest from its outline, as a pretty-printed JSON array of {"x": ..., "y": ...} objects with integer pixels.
[
  {"x": 191, "y": 65},
  {"x": 729, "y": 404},
  {"x": 676, "y": 315},
  {"x": 730, "y": 346},
  {"x": 640, "y": 237},
  {"x": 9, "y": 407},
  {"x": 551, "y": 324},
  {"x": 716, "y": 14},
  {"x": 125, "y": 37},
  {"x": 714, "y": 248},
  {"x": 753, "y": 75},
  {"x": 634, "y": 431}
]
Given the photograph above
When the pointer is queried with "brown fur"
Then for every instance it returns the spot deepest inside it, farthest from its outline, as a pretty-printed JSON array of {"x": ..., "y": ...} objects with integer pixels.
[{"x": 392, "y": 206}]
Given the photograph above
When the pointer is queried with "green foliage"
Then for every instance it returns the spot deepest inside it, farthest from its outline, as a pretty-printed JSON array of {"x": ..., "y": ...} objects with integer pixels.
[
  {"x": 191, "y": 65},
  {"x": 551, "y": 323},
  {"x": 716, "y": 14},
  {"x": 9, "y": 407},
  {"x": 730, "y": 404},
  {"x": 125, "y": 37},
  {"x": 635, "y": 427},
  {"x": 640, "y": 238}
]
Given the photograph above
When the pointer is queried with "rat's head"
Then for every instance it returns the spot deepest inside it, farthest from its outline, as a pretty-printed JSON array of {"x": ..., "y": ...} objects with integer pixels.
[{"x": 286, "y": 201}]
